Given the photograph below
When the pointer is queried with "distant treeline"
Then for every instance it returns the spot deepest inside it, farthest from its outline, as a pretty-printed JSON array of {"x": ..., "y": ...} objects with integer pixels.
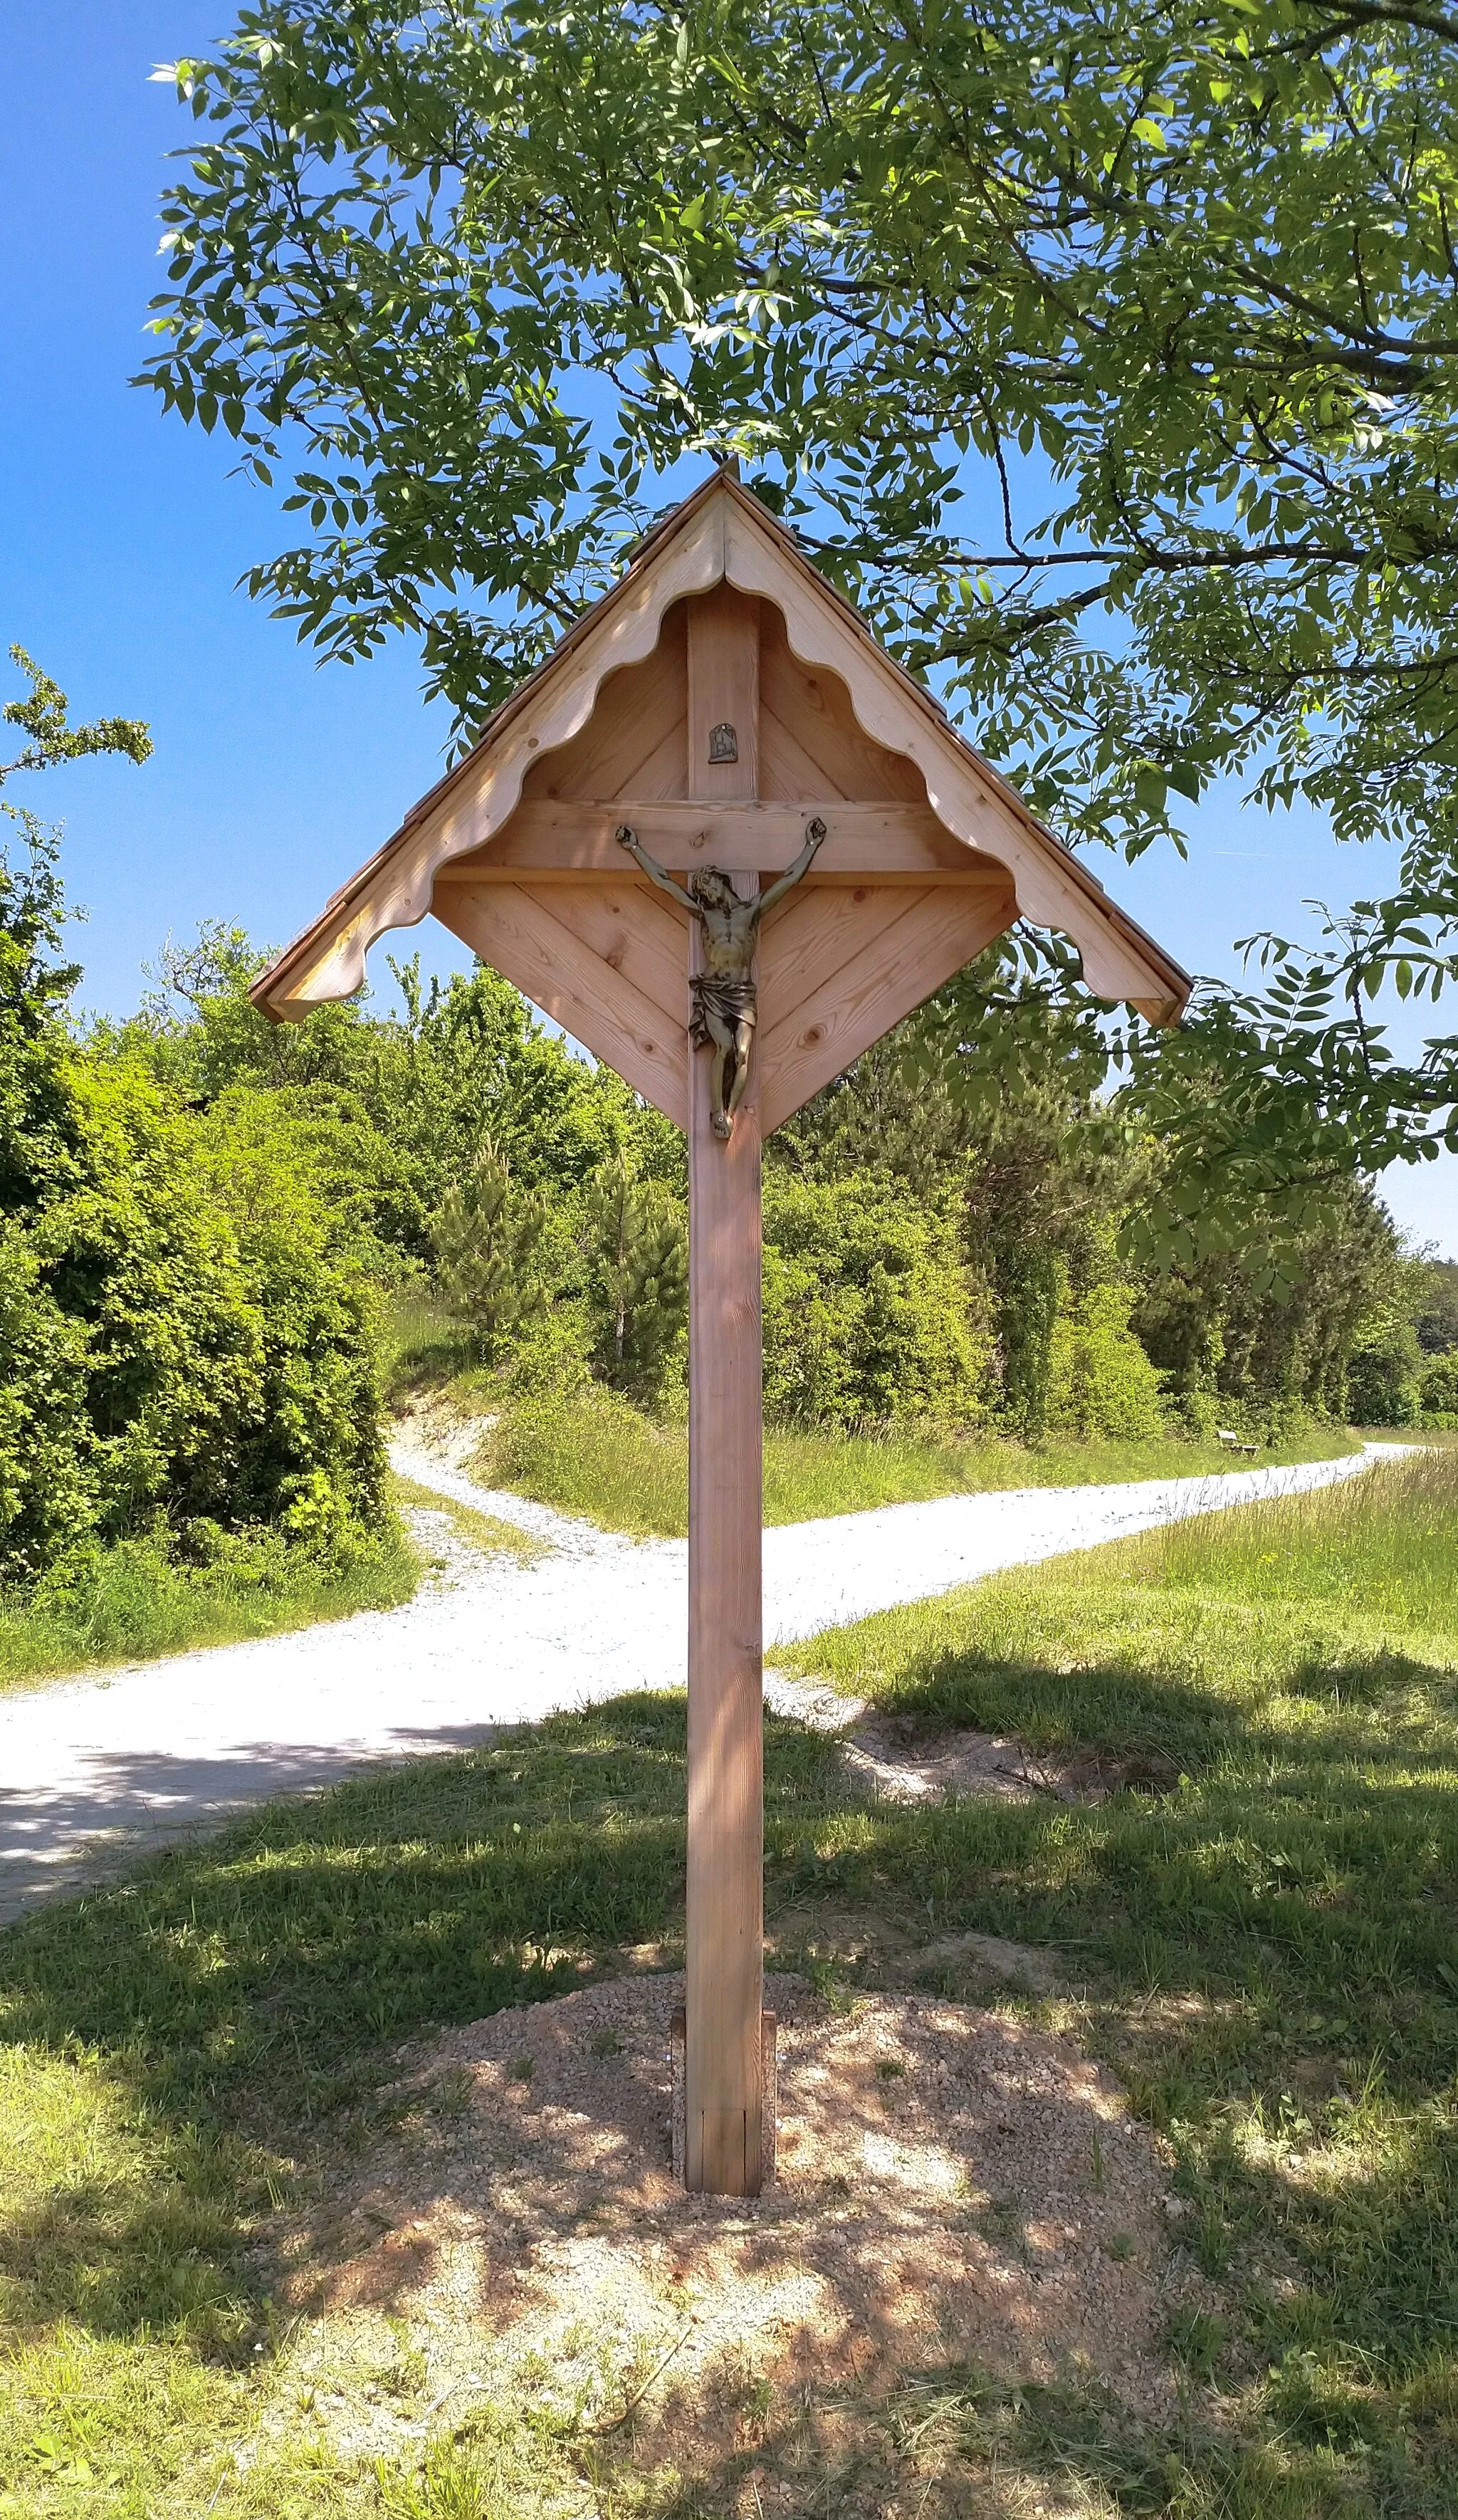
[
  {"x": 202, "y": 1218},
  {"x": 951, "y": 1231}
]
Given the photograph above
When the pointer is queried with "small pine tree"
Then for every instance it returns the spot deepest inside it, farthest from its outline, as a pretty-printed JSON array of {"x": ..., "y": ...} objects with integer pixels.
[
  {"x": 1032, "y": 1281},
  {"x": 637, "y": 1269},
  {"x": 487, "y": 1237}
]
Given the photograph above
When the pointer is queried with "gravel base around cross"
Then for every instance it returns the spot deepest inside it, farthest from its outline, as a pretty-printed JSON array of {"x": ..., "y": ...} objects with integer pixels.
[{"x": 96, "y": 1769}]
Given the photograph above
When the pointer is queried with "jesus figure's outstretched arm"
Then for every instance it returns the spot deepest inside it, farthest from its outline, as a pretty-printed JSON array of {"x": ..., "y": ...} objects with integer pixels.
[
  {"x": 627, "y": 839},
  {"x": 815, "y": 833}
]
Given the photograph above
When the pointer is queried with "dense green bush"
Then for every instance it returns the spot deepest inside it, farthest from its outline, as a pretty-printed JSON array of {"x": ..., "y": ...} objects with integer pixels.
[
  {"x": 635, "y": 1245},
  {"x": 452, "y": 1068},
  {"x": 180, "y": 1334},
  {"x": 1032, "y": 1282},
  {"x": 489, "y": 1241},
  {"x": 1100, "y": 1382},
  {"x": 1439, "y": 1391},
  {"x": 46, "y": 1494},
  {"x": 1384, "y": 1379},
  {"x": 187, "y": 1338},
  {"x": 870, "y": 1314}
]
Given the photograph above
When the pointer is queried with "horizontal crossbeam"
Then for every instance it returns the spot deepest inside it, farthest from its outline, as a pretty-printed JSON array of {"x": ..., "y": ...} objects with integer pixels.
[{"x": 874, "y": 843}]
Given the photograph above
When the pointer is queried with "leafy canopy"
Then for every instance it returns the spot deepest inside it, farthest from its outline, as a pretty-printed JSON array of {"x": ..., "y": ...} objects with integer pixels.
[{"x": 1107, "y": 353}]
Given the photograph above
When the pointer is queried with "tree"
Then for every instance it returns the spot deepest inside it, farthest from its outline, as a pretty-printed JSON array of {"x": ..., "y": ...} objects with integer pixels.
[
  {"x": 185, "y": 1333},
  {"x": 636, "y": 1254},
  {"x": 1107, "y": 352},
  {"x": 488, "y": 1237},
  {"x": 35, "y": 1131},
  {"x": 1436, "y": 1307}
]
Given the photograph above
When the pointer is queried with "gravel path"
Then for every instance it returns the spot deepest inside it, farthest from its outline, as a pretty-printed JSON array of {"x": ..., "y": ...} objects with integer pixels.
[{"x": 94, "y": 1768}]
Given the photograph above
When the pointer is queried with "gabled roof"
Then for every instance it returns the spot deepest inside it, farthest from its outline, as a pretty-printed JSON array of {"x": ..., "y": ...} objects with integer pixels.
[{"x": 720, "y": 531}]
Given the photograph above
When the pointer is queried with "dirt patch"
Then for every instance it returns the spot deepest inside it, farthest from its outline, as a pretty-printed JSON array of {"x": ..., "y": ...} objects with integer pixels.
[
  {"x": 897, "y": 1760},
  {"x": 810, "y": 1937},
  {"x": 434, "y": 1424},
  {"x": 952, "y": 2184}
]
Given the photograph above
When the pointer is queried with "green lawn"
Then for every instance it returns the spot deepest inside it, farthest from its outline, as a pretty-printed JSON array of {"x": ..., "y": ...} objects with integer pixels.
[
  {"x": 1265, "y": 1952},
  {"x": 135, "y": 1601},
  {"x": 598, "y": 1457}
]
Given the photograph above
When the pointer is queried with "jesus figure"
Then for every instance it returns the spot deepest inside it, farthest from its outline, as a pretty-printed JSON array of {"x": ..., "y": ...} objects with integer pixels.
[{"x": 724, "y": 1012}]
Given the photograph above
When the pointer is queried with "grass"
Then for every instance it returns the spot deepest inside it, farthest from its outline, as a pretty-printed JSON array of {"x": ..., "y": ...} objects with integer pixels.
[
  {"x": 483, "y": 1532},
  {"x": 596, "y": 1456},
  {"x": 1265, "y": 1954},
  {"x": 133, "y": 1601},
  {"x": 137, "y": 1600}
]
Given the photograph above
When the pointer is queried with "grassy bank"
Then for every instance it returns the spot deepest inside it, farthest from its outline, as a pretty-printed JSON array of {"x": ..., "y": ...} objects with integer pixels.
[
  {"x": 595, "y": 1455},
  {"x": 138, "y": 1599},
  {"x": 1264, "y": 1951}
]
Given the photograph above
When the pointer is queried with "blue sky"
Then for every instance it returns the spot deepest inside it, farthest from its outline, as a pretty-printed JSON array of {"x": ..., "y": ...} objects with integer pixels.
[{"x": 122, "y": 536}]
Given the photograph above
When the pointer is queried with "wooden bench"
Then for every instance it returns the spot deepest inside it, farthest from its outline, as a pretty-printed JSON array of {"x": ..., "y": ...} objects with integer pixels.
[{"x": 1235, "y": 1443}]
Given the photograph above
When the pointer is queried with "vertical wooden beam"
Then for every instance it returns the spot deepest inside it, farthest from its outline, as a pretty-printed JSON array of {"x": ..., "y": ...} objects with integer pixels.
[
  {"x": 723, "y": 690},
  {"x": 724, "y": 2135}
]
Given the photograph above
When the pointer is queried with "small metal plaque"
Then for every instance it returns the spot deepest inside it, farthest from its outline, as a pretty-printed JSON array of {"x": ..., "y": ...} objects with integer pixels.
[{"x": 724, "y": 743}]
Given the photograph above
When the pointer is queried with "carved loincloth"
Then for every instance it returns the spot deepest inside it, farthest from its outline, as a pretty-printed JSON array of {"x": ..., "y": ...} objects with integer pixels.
[{"x": 732, "y": 1000}]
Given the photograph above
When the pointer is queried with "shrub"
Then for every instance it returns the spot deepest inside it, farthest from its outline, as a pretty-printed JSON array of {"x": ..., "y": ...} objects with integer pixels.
[
  {"x": 1385, "y": 1378},
  {"x": 46, "y": 1488},
  {"x": 310, "y": 1456},
  {"x": 1438, "y": 1392},
  {"x": 636, "y": 1251},
  {"x": 1100, "y": 1380},
  {"x": 869, "y": 1316},
  {"x": 1030, "y": 1281},
  {"x": 488, "y": 1238},
  {"x": 178, "y": 1337}
]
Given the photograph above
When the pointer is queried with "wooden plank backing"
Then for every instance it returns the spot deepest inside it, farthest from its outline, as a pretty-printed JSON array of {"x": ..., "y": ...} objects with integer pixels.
[
  {"x": 635, "y": 931},
  {"x": 815, "y": 724},
  {"x": 816, "y": 1041},
  {"x": 723, "y": 690},
  {"x": 580, "y": 988},
  {"x": 813, "y": 935},
  {"x": 637, "y": 721}
]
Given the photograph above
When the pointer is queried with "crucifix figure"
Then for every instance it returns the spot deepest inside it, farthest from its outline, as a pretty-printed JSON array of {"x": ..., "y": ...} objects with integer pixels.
[{"x": 723, "y": 992}]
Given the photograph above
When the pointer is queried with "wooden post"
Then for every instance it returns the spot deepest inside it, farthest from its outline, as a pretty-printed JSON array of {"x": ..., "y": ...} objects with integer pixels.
[{"x": 724, "y": 2135}]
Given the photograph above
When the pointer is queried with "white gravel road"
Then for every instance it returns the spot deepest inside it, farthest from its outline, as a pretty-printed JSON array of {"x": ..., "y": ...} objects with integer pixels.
[{"x": 91, "y": 1769}]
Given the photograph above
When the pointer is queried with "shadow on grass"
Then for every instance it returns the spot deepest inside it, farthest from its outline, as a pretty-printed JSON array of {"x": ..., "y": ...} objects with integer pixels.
[
  {"x": 948, "y": 2443},
  {"x": 1276, "y": 1936}
]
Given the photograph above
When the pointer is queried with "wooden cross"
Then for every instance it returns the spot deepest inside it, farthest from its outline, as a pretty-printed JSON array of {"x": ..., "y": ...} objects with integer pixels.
[{"x": 717, "y": 698}]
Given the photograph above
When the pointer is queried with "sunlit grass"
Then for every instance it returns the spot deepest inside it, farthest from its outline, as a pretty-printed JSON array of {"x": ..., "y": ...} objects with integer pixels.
[
  {"x": 1265, "y": 1953},
  {"x": 1384, "y": 1546},
  {"x": 138, "y": 1599},
  {"x": 595, "y": 1455},
  {"x": 484, "y": 1532}
]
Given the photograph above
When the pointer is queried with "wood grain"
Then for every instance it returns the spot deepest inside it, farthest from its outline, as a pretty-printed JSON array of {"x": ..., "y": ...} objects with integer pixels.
[
  {"x": 814, "y": 708},
  {"x": 579, "y": 988},
  {"x": 725, "y": 1924},
  {"x": 813, "y": 935},
  {"x": 815, "y": 1042},
  {"x": 635, "y": 931},
  {"x": 724, "y": 689},
  {"x": 571, "y": 837},
  {"x": 724, "y": 1956},
  {"x": 788, "y": 770},
  {"x": 637, "y": 718}
]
